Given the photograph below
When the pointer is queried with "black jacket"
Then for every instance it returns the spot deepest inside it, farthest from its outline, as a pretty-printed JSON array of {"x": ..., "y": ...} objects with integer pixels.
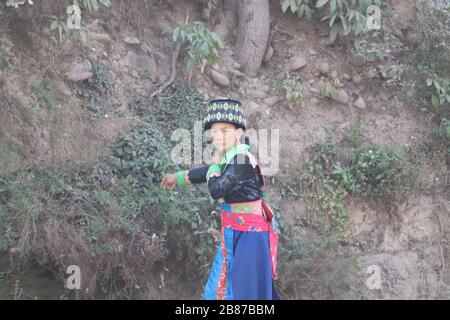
[{"x": 239, "y": 182}]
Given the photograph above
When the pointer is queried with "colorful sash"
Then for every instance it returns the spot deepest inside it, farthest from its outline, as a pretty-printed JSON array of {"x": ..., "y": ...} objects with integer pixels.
[{"x": 252, "y": 216}]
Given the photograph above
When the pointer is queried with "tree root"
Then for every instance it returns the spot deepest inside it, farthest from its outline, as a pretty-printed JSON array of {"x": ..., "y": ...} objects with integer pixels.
[{"x": 172, "y": 76}]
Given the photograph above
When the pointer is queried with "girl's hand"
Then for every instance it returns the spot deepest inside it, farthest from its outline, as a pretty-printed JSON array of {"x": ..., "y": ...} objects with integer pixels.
[{"x": 169, "y": 181}]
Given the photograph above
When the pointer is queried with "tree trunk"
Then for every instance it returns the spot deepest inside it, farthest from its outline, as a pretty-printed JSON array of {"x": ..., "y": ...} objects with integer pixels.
[{"x": 252, "y": 34}]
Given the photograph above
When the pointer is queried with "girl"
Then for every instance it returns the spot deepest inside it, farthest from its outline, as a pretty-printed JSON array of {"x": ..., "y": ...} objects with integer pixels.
[{"x": 245, "y": 262}]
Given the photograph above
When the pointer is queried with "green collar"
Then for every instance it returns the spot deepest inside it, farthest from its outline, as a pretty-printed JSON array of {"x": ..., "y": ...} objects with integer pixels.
[{"x": 233, "y": 151}]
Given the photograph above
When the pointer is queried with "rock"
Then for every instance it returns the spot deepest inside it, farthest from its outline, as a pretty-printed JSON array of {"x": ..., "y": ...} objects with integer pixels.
[
  {"x": 314, "y": 101},
  {"x": 334, "y": 74},
  {"x": 147, "y": 49},
  {"x": 93, "y": 25},
  {"x": 296, "y": 62},
  {"x": 394, "y": 72},
  {"x": 359, "y": 103},
  {"x": 132, "y": 40},
  {"x": 384, "y": 97},
  {"x": 142, "y": 63},
  {"x": 410, "y": 93},
  {"x": 268, "y": 55},
  {"x": 236, "y": 65},
  {"x": 346, "y": 76},
  {"x": 311, "y": 81},
  {"x": 79, "y": 73},
  {"x": 357, "y": 79},
  {"x": 342, "y": 96},
  {"x": 102, "y": 37},
  {"x": 324, "y": 68},
  {"x": 414, "y": 38},
  {"x": 63, "y": 87},
  {"x": 252, "y": 108},
  {"x": 312, "y": 52},
  {"x": 256, "y": 93},
  {"x": 219, "y": 78},
  {"x": 264, "y": 88},
  {"x": 236, "y": 72},
  {"x": 270, "y": 101},
  {"x": 163, "y": 25}
]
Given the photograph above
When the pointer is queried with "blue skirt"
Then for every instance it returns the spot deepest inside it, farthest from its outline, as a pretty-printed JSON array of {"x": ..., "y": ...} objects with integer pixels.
[{"x": 248, "y": 268}]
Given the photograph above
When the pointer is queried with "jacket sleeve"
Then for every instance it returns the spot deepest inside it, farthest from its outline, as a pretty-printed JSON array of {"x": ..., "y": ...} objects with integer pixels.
[
  {"x": 198, "y": 175},
  {"x": 237, "y": 170}
]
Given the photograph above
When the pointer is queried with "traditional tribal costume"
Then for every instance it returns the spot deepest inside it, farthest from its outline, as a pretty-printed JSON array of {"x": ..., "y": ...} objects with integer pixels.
[{"x": 246, "y": 257}]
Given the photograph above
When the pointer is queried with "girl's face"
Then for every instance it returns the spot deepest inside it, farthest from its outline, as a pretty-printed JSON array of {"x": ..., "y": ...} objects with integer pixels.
[{"x": 224, "y": 135}]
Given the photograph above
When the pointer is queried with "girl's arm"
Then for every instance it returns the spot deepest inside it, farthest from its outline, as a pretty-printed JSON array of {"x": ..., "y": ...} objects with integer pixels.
[
  {"x": 192, "y": 176},
  {"x": 238, "y": 170}
]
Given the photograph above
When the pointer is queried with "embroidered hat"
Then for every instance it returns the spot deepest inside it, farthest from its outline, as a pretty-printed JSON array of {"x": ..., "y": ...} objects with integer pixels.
[{"x": 224, "y": 110}]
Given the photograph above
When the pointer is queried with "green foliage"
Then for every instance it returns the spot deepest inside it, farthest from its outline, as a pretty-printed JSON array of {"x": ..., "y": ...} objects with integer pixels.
[
  {"x": 142, "y": 154},
  {"x": 375, "y": 170},
  {"x": 432, "y": 59},
  {"x": 95, "y": 4},
  {"x": 351, "y": 167},
  {"x": 202, "y": 44},
  {"x": 328, "y": 90},
  {"x": 378, "y": 47},
  {"x": 77, "y": 34},
  {"x": 178, "y": 99},
  {"x": 327, "y": 193},
  {"x": 300, "y": 7},
  {"x": 442, "y": 136},
  {"x": 441, "y": 88},
  {"x": 16, "y": 3},
  {"x": 294, "y": 90},
  {"x": 64, "y": 33},
  {"x": 209, "y": 7},
  {"x": 101, "y": 79},
  {"x": 345, "y": 16},
  {"x": 5, "y": 61},
  {"x": 113, "y": 216},
  {"x": 97, "y": 89}
]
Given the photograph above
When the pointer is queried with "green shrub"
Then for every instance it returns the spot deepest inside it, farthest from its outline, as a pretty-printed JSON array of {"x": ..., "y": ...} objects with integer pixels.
[
  {"x": 337, "y": 170},
  {"x": 202, "y": 44},
  {"x": 432, "y": 58},
  {"x": 5, "y": 61},
  {"x": 294, "y": 90},
  {"x": 375, "y": 170},
  {"x": 328, "y": 90},
  {"x": 95, "y": 4},
  {"x": 112, "y": 217},
  {"x": 178, "y": 99},
  {"x": 209, "y": 7},
  {"x": 300, "y": 7},
  {"x": 17, "y": 3},
  {"x": 345, "y": 16},
  {"x": 442, "y": 137},
  {"x": 380, "y": 46},
  {"x": 97, "y": 89}
]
